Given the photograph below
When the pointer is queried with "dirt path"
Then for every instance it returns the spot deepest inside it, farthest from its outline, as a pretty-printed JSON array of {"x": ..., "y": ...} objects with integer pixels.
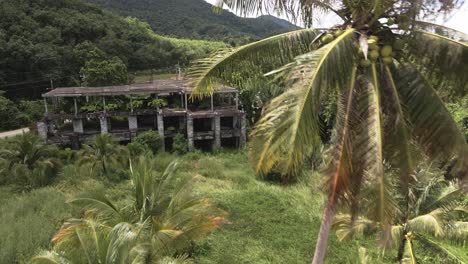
[{"x": 14, "y": 132}]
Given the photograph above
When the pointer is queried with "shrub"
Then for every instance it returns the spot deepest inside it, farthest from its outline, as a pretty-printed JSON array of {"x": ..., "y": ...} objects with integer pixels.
[
  {"x": 150, "y": 139},
  {"x": 180, "y": 145},
  {"x": 136, "y": 149}
]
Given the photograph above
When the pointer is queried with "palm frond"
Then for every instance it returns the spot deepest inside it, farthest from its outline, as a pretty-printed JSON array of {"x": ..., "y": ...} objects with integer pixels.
[
  {"x": 456, "y": 232},
  {"x": 288, "y": 130},
  {"x": 401, "y": 138},
  {"x": 258, "y": 57},
  {"x": 346, "y": 227},
  {"x": 433, "y": 126},
  {"x": 430, "y": 223},
  {"x": 443, "y": 61},
  {"x": 49, "y": 257},
  {"x": 383, "y": 209},
  {"x": 99, "y": 204},
  {"x": 441, "y": 30},
  {"x": 290, "y": 8},
  {"x": 437, "y": 244}
]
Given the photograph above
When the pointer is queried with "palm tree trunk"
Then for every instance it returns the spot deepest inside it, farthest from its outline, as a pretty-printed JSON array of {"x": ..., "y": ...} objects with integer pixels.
[{"x": 327, "y": 220}]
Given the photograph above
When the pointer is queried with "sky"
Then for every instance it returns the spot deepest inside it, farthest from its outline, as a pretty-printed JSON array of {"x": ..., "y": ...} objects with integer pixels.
[{"x": 458, "y": 19}]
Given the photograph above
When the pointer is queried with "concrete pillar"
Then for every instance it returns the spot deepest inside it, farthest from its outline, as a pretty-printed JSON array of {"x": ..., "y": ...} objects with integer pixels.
[
  {"x": 104, "y": 124},
  {"x": 181, "y": 123},
  {"x": 217, "y": 129},
  {"x": 160, "y": 120},
  {"x": 78, "y": 125},
  {"x": 243, "y": 131},
  {"x": 235, "y": 119},
  {"x": 132, "y": 123},
  {"x": 190, "y": 132},
  {"x": 42, "y": 130}
]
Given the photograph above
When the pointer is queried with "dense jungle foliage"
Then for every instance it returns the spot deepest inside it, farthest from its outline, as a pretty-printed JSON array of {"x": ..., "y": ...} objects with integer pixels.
[
  {"x": 72, "y": 42},
  {"x": 194, "y": 19}
]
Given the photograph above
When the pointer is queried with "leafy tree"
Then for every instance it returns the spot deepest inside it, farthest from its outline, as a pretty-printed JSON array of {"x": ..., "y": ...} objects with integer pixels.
[
  {"x": 8, "y": 109},
  {"x": 434, "y": 216},
  {"x": 106, "y": 72},
  {"x": 161, "y": 219},
  {"x": 380, "y": 64}
]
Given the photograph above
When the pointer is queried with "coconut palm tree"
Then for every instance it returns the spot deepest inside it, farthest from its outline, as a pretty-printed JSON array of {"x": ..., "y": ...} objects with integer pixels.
[
  {"x": 102, "y": 150},
  {"x": 382, "y": 68},
  {"x": 435, "y": 217},
  {"x": 28, "y": 161},
  {"x": 162, "y": 218}
]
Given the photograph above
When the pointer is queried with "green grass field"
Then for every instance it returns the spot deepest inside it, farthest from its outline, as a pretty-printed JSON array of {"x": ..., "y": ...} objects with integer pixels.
[{"x": 268, "y": 223}]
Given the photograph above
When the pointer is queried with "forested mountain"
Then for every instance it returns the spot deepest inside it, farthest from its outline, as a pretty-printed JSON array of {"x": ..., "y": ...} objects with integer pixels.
[
  {"x": 68, "y": 41},
  {"x": 195, "y": 19}
]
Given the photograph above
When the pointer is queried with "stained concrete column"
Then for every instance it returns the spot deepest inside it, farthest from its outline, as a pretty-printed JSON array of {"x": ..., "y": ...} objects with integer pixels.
[
  {"x": 132, "y": 123},
  {"x": 217, "y": 129},
  {"x": 160, "y": 121},
  {"x": 78, "y": 125},
  {"x": 104, "y": 125},
  {"x": 190, "y": 132},
  {"x": 42, "y": 130},
  {"x": 243, "y": 131}
]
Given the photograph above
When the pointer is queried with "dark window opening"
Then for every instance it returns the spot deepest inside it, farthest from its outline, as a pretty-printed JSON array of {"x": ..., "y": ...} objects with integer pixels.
[
  {"x": 118, "y": 123},
  {"x": 227, "y": 123},
  {"x": 147, "y": 122},
  {"x": 202, "y": 125},
  {"x": 204, "y": 145},
  {"x": 91, "y": 125},
  {"x": 173, "y": 124},
  {"x": 230, "y": 143},
  {"x": 168, "y": 142}
]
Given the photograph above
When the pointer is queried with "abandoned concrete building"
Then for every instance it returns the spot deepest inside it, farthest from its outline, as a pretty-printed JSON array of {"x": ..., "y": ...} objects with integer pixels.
[{"x": 75, "y": 114}]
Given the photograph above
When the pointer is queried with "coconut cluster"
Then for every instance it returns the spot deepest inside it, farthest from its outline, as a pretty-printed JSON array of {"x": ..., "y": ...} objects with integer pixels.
[{"x": 385, "y": 52}]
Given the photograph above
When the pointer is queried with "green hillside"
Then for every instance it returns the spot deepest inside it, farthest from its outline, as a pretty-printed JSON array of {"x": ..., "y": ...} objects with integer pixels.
[
  {"x": 195, "y": 19},
  {"x": 54, "y": 40}
]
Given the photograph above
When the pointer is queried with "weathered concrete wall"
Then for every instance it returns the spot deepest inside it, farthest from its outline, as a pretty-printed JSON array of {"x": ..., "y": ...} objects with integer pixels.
[
  {"x": 104, "y": 124},
  {"x": 243, "y": 132},
  {"x": 133, "y": 123},
  {"x": 190, "y": 132},
  {"x": 42, "y": 130},
  {"x": 160, "y": 120},
  {"x": 78, "y": 126},
  {"x": 217, "y": 129}
]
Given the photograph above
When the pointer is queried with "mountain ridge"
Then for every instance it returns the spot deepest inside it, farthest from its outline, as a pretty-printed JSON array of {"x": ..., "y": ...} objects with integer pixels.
[{"x": 195, "y": 19}]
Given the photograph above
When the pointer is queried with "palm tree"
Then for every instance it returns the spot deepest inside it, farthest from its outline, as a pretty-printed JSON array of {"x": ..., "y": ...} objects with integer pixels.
[
  {"x": 29, "y": 150},
  {"x": 162, "y": 218},
  {"x": 28, "y": 161},
  {"x": 434, "y": 217},
  {"x": 102, "y": 150},
  {"x": 380, "y": 67}
]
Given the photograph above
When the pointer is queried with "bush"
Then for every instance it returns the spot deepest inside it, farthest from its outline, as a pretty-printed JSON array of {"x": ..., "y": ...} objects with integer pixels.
[
  {"x": 151, "y": 140},
  {"x": 27, "y": 222},
  {"x": 137, "y": 149},
  {"x": 180, "y": 145}
]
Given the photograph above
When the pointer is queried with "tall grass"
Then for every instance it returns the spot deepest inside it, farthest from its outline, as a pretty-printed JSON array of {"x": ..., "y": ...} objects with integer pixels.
[{"x": 28, "y": 221}]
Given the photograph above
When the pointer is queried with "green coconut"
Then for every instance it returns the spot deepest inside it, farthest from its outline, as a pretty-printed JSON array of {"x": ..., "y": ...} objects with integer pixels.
[
  {"x": 373, "y": 37},
  {"x": 373, "y": 55},
  {"x": 365, "y": 63},
  {"x": 338, "y": 33},
  {"x": 391, "y": 21},
  {"x": 374, "y": 46},
  {"x": 327, "y": 38},
  {"x": 387, "y": 60},
  {"x": 399, "y": 44},
  {"x": 386, "y": 51}
]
